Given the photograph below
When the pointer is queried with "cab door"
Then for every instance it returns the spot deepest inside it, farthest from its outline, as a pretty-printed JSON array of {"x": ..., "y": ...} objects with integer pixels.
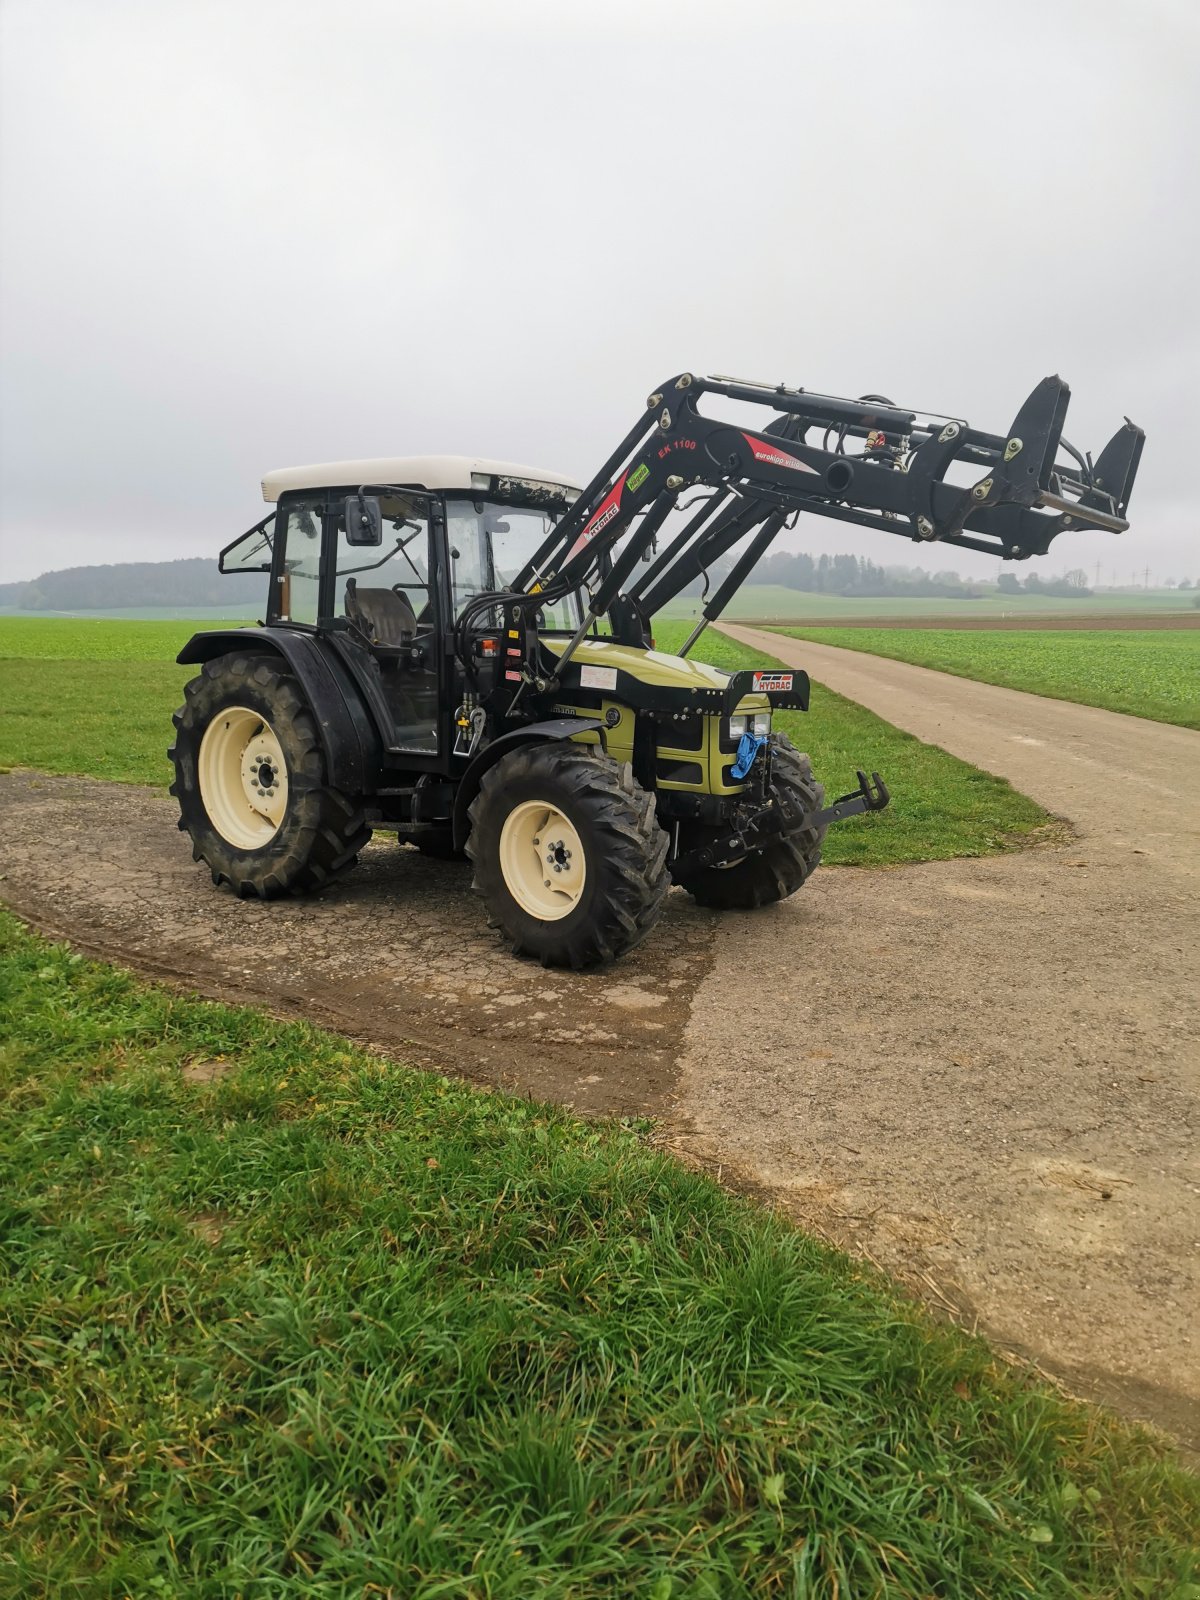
[{"x": 386, "y": 607}]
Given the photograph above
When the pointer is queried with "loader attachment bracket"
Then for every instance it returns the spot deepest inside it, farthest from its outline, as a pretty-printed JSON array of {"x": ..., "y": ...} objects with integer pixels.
[{"x": 872, "y": 794}]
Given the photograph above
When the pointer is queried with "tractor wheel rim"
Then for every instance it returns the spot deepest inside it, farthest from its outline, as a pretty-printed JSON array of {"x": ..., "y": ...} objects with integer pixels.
[
  {"x": 542, "y": 860},
  {"x": 243, "y": 778}
]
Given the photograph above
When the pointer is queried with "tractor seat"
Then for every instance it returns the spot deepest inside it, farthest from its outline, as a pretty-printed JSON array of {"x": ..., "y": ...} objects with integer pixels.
[{"x": 384, "y": 615}]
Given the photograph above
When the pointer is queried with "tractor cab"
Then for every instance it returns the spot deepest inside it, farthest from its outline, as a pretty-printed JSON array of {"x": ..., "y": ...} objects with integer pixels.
[{"x": 384, "y": 555}]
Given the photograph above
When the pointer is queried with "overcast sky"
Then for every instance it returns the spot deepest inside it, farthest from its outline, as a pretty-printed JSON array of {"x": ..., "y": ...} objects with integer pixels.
[{"x": 253, "y": 234}]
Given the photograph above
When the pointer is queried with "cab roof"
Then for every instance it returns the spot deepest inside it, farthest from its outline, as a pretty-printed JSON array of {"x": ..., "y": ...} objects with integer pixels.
[{"x": 410, "y": 472}]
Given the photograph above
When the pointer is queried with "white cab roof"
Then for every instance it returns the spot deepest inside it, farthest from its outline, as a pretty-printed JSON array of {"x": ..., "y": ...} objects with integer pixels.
[{"x": 417, "y": 472}]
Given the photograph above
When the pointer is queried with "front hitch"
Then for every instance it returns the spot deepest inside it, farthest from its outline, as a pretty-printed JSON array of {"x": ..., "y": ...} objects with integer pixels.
[
  {"x": 770, "y": 824},
  {"x": 872, "y": 794}
]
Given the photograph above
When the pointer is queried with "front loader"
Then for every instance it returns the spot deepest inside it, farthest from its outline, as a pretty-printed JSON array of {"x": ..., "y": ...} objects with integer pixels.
[{"x": 459, "y": 651}]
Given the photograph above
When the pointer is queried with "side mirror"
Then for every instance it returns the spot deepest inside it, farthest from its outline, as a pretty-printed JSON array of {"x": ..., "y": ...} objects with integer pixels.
[{"x": 363, "y": 521}]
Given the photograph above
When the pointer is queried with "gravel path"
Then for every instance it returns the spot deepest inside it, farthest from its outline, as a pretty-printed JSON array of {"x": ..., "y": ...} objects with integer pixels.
[
  {"x": 986, "y": 1074},
  {"x": 983, "y": 1074}
]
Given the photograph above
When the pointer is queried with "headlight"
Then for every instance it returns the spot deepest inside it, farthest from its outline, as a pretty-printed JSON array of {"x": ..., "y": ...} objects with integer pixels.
[{"x": 757, "y": 723}]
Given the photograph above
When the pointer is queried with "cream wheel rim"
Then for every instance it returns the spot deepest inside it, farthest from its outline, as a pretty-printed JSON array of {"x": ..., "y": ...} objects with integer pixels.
[
  {"x": 542, "y": 860},
  {"x": 243, "y": 778}
]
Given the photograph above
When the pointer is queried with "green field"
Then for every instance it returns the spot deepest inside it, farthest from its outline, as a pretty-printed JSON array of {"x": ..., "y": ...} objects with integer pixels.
[
  {"x": 1146, "y": 673},
  {"x": 758, "y": 602},
  {"x": 100, "y": 639},
  {"x": 282, "y": 1318},
  {"x": 243, "y": 613},
  {"x": 96, "y": 698}
]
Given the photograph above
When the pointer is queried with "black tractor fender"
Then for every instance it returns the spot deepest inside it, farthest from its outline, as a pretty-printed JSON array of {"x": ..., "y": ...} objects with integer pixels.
[
  {"x": 532, "y": 733},
  {"x": 350, "y": 741}
]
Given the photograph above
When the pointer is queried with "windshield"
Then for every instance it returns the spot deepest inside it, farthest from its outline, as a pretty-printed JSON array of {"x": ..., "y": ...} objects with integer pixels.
[{"x": 489, "y": 545}]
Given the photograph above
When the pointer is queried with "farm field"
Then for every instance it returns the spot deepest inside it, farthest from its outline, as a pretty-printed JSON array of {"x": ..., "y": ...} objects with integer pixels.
[
  {"x": 101, "y": 638},
  {"x": 773, "y": 603},
  {"x": 243, "y": 613},
  {"x": 284, "y": 1316},
  {"x": 1144, "y": 673},
  {"x": 96, "y": 697},
  {"x": 770, "y": 602}
]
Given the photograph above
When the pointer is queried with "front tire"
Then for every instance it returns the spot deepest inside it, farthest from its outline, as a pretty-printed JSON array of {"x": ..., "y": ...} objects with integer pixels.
[
  {"x": 251, "y": 783},
  {"x": 569, "y": 857},
  {"x": 778, "y": 871}
]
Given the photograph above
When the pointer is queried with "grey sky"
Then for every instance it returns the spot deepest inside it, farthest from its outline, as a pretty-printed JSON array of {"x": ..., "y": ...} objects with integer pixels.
[{"x": 246, "y": 235}]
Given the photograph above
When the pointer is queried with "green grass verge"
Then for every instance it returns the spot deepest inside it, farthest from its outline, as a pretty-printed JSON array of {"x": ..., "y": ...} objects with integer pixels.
[
  {"x": 1139, "y": 671},
  {"x": 281, "y": 1318},
  {"x": 941, "y": 806},
  {"x": 96, "y": 697}
]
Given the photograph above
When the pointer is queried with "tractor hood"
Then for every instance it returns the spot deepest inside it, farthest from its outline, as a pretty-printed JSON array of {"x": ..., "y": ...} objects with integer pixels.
[{"x": 654, "y": 668}]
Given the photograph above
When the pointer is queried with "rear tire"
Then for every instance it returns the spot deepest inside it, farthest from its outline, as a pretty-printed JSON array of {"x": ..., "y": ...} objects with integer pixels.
[
  {"x": 569, "y": 857},
  {"x": 778, "y": 871},
  {"x": 250, "y": 782}
]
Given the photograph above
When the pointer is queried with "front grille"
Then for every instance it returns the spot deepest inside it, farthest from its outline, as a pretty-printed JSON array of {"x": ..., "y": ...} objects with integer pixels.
[
  {"x": 679, "y": 771},
  {"x": 685, "y": 731}
]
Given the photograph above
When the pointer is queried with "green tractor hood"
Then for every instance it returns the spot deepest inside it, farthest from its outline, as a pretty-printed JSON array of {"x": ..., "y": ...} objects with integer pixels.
[{"x": 654, "y": 668}]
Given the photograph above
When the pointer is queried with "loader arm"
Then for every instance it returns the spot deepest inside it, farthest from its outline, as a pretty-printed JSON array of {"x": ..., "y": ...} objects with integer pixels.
[{"x": 862, "y": 461}]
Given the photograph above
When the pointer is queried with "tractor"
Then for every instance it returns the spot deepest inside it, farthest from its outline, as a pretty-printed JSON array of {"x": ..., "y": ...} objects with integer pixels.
[{"x": 460, "y": 651}]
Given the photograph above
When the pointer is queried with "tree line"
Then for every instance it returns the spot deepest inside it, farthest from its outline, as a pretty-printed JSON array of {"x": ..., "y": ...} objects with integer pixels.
[
  {"x": 141, "y": 584},
  {"x": 196, "y": 582},
  {"x": 858, "y": 576}
]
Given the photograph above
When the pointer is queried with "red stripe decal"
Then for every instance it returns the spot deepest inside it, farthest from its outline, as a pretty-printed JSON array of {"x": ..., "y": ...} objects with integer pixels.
[
  {"x": 604, "y": 513},
  {"x": 769, "y": 453}
]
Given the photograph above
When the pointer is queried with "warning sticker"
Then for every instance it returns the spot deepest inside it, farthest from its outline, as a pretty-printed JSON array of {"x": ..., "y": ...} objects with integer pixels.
[
  {"x": 772, "y": 682},
  {"x": 597, "y": 677}
]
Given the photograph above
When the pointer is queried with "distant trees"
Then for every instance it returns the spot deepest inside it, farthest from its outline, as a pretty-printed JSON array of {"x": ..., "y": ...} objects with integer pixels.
[
  {"x": 1071, "y": 586},
  {"x": 147, "y": 585},
  {"x": 855, "y": 575},
  {"x": 174, "y": 585}
]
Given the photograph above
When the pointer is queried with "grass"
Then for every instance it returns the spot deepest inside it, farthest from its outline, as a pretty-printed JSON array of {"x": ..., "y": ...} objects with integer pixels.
[
  {"x": 109, "y": 719},
  {"x": 941, "y": 806},
  {"x": 1141, "y": 672},
  {"x": 282, "y": 1318},
  {"x": 99, "y": 639},
  {"x": 757, "y": 602},
  {"x": 96, "y": 697},
  {"x": 90, "y": 696}
]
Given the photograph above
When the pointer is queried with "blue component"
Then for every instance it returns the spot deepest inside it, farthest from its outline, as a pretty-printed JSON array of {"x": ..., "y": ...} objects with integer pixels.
[{"x": 747, "y": 755}]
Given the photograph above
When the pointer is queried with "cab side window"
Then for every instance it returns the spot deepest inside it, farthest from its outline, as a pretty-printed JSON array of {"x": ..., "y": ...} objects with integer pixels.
[
  {"x": 386, "y": 591},
  {"x": 298, "y": 587}
]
